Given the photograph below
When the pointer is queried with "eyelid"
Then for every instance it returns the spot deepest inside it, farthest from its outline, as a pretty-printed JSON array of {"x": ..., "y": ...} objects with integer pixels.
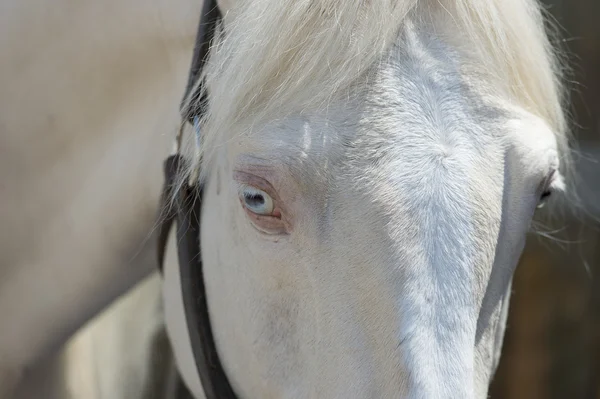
[
  {"x": 554, "y": 182},
  {"x": 251, "y": 180},
  {"x": 557, "y": 181}
]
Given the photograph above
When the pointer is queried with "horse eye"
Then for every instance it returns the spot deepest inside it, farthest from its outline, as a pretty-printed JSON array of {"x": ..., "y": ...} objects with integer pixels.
[
  {"x": 545, "y": 195},
  {"x": 552, "y": 183},
  {"x": 256, "y": 201}
]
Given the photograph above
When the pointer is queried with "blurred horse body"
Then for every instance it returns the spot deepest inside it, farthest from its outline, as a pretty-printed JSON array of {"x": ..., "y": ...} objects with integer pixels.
[
  {"x": 89, "y": 100},
  {"x": 122, "y": 354}
]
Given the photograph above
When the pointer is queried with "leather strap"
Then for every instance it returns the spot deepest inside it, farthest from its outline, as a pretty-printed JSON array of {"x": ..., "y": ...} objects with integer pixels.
[
  {"x": 185, "y": 210},
  {"x": 188, "y": 204},
  {"x": 209, "y": 20},
  {"x": 207, "y": 26}
]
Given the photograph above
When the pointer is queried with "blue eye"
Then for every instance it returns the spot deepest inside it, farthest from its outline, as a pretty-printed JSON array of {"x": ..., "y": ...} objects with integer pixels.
[{"x": 256, "y": 201}]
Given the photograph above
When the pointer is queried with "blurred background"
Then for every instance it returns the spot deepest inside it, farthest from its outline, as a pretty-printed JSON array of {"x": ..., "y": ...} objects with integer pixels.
[{"x": 552, "y": 343}]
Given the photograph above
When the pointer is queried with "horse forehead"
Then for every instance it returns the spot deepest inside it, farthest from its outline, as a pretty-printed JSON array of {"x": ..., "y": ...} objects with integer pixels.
[
  {"x": 421, "y": 119},
  {"x": 413, "y": 114},
  {"x": 418, "y": 103},
  {"x": 413, "y": 127},
  {"x": 422, "y": 92},
  {"x": 422, "y": 135}
]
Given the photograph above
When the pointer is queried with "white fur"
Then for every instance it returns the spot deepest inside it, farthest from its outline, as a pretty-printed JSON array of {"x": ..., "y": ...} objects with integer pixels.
[
  {"x": 302, "y": 54},
  {"x": 407, "y": 142}
]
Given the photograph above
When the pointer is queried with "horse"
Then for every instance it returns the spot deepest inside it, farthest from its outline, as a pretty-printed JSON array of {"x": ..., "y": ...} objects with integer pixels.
[
  {"x": 90, "y": 97},
  {"x": 370, "y": 172}
]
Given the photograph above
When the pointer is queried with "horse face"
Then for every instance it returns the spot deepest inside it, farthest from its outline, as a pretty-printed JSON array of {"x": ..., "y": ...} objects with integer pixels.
[{"x": 366, "y": 250}]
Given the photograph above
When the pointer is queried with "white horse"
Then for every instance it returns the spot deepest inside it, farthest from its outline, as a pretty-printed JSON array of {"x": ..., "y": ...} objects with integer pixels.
[{"x": 371, "y": 171}]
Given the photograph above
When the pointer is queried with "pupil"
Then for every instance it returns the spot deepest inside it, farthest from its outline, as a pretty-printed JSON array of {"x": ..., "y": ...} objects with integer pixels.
[{"x": 254, "y": 199}]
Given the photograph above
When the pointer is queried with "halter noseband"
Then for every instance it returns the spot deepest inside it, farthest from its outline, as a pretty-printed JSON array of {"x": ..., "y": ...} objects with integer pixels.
[{"x": 186, "y": 212}]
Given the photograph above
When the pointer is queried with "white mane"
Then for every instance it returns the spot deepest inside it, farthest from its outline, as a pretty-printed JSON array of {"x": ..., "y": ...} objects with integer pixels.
[{"x": 284, "y": 56}]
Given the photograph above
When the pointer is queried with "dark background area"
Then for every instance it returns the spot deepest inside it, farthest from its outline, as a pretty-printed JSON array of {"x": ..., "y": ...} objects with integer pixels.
[{"x": 552, "y": 343}]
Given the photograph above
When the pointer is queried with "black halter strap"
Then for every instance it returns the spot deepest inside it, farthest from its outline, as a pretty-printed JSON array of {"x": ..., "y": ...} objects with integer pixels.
[
  {"x": 209, "y": 19},
  {"x": 186, "y": 213}
]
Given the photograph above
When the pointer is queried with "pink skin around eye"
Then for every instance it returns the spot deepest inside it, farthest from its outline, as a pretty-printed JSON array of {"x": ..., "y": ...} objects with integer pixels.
[
  {"x": 276, "y": 214},
  {"x": 273, "y": 224},
  {"x": 268, "y": 224}
]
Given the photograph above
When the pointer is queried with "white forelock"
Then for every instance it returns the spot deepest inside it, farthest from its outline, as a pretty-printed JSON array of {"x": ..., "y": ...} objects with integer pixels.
[{"x": 278, "y": 57}]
